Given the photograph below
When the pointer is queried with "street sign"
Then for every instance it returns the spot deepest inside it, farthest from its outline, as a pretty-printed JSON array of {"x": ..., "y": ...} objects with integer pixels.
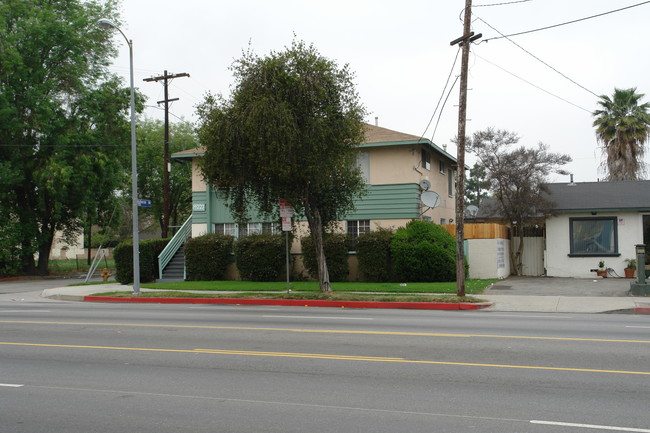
[
  {"x": 144, "y": 202},
  {"x": 286, "y": 224},
  {"x": 285, "y": 209}
]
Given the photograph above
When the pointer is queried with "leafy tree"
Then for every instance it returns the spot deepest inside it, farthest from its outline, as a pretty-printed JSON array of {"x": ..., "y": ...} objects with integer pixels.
[
  {"x": 150, "y": 166},
  {"x": 622, "y": 126},
  {"x": 476, "y": 186},
  {"x": 63, "y": 120},
  {"x": 289, "y": 130},
  {"x": 516, "y": 178}
]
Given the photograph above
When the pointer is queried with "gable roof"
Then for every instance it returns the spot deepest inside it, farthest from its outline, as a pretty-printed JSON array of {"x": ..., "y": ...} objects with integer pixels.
[
  {"x": 632, "y": 195},
  {"x": 375, "y": 137}
]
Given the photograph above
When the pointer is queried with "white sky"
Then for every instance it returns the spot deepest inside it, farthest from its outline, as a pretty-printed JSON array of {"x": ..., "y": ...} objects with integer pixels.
[{"x": 401, "y": 55}]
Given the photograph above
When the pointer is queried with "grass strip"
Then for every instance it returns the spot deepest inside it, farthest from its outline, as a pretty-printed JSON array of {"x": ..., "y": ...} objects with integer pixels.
[
  {"x": 471, "y": 286},
  {"x": 378, "y": 297}
]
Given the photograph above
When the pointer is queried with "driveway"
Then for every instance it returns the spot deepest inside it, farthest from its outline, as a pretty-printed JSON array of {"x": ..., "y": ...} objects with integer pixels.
[{"x": 556, "y": 286}]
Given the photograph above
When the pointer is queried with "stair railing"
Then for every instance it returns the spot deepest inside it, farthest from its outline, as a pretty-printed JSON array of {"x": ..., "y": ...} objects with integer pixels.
[{"x": 182, "y": 235}]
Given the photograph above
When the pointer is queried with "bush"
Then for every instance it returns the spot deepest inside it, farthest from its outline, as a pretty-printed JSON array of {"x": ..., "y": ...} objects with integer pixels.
[
  {"x": 261, "y": 257},
  {"x": 149, "y": 252},
  {"x": 423, "y": 251},
  {"x": 335, "y": 247},
  {"x": 373, "y": 253},
  {"x": 207, "y": 257}
]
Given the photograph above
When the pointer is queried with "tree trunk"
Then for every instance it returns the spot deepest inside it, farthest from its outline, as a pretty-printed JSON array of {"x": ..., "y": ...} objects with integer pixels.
[
  {"x": 516, "y": 256},
  {"x": 44, "y": 249},
  {"x": 316, "y": 230}
]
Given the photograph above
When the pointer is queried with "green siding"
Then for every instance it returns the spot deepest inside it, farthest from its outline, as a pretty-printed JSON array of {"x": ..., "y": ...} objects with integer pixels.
[{"x": 396, "y": 201}]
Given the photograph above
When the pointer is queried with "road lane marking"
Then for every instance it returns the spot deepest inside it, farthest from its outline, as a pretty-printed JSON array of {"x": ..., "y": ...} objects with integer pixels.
[
  {"x": 11, "y": 385},
  {"x": 331, "y": 331},
  {"x": 25, "y": 311},
  {"x": 321, "y": 317},
  {"x": 643, "y": 327},
  {"x": 591, "y": 426},
  {"x": 325, "y": 356}
]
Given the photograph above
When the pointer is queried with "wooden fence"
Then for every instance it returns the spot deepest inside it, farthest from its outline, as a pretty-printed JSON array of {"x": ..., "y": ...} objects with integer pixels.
[{"x": 480, "y": 231}]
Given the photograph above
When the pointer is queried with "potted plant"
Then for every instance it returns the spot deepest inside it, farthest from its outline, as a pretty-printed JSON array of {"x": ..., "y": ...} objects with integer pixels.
[
  {"x": 630, "y": 268},
  {"x": 601, "y": 272}
]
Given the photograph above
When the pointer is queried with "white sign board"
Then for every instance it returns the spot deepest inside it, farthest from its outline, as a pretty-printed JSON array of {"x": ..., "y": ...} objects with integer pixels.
[
  {"x": 286, "y": 212},
  {"x": 198, "y": 207}
]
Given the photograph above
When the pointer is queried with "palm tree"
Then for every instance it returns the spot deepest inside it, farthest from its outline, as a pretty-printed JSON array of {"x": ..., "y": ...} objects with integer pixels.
[{"x": 622, "y": 126}]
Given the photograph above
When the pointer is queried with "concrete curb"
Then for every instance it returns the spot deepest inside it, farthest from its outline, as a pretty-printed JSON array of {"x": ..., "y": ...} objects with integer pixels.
[
  {"x": 642, "y": 308},
  {"x": 297, "y": 303}
]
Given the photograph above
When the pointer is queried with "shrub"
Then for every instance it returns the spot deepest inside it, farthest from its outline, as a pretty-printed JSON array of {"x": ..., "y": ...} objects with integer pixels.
[
  {"x": 207, "y": 256},
  {"x": 423, "y": 251},
  {"x": 261, "y": 257},
  {"x": 335, "y": 247},
  {"x": 149, "y": 252},
  {"x": 373, "y": 253}
]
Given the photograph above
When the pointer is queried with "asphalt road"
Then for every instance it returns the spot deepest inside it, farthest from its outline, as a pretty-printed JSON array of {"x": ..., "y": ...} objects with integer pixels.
[{"x": 79, "y": 367}]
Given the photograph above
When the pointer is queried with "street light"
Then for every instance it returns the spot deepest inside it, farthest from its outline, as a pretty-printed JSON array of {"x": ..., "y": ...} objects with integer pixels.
[{"x": 108, "y": 25}]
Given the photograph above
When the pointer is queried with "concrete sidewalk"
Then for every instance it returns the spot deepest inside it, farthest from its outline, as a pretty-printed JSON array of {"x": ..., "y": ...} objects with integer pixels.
[{"x": 560, "y": 295}]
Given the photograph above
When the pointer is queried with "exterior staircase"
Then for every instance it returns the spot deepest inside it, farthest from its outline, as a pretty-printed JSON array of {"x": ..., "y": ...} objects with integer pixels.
[{"x": 175, "y": 269}]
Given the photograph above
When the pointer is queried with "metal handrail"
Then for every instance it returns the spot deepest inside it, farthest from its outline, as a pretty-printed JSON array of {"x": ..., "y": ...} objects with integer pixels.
[{"x": 182, "y": 235}]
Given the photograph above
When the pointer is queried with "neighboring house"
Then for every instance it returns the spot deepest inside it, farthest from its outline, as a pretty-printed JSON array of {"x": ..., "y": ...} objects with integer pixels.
[
  {"x": 397, "y": 168},
  {"x": 590, "y": 222}
]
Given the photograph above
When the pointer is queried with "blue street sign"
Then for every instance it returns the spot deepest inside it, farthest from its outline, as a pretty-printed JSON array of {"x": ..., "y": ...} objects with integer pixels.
[{"x": 144, "y": 203}]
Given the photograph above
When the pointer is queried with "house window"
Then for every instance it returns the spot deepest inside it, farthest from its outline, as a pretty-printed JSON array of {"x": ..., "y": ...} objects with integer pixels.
[
  {"x": 443, "y": 220},
  {"x": 363, "y": 164},
  {"x": 241, "y": 230},
  {"x": 426, "y": 159},
  {"x": 228, "y": 229},
  {"x": 442, "y": 166},
  {"x": 450, "y": 182},
  {"x": 597, "y": 236},
  {"x": 356, "y": 228},
  {"x": 249, "y": 229}
]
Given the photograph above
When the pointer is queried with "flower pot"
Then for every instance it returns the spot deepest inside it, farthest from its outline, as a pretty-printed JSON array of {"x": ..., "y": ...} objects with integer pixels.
[
  {"x": 601, "y": 273},
  {"x": 629, "y": 273}
]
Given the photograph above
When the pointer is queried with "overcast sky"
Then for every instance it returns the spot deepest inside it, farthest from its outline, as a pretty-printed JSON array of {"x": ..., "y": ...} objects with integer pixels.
[{"x": 401, "y": 55}]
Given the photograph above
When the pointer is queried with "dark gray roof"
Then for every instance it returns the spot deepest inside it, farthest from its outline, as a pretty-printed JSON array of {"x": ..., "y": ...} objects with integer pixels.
[{"x": 633, "y": 195}]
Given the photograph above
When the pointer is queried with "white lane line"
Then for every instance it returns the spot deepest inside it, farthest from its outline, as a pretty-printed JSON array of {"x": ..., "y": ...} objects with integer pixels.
[
  {"x": 321, "y": 317},
  {"x": 25, "y": 311},
  {"x": 11, "y": 385},
  {"x": 642, "y": 327},
  {"x": 528, "y": 316},
  {"x": 592, "y": 426}
]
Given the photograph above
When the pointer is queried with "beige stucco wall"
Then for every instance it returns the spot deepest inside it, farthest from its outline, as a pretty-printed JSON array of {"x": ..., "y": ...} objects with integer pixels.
[
  {"x": 197, "y": 178},
  {"x": 488, "y": 258},
  {"x": 558, "y": 262}
]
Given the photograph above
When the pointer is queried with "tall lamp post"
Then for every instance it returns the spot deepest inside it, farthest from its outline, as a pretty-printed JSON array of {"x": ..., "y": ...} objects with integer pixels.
[{"x": 108, "y": 25}]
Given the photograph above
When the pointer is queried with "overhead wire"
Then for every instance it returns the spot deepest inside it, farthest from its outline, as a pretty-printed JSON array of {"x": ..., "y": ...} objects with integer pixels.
[
  {"x": 564, "y": 23},
  {"x": 441, "y": 95},
  {"x": 532, "y": 84},
  {"x": 537, "y": 58},
  {"x": 502, "y": 4}
]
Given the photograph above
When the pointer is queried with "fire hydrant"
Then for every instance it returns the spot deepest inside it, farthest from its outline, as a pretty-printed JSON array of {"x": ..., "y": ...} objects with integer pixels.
[{"x": 105, "y": 274}]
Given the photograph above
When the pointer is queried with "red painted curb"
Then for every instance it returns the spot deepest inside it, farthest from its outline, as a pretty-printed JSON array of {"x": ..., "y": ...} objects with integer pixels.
[
  {"x": 642, "y": 310},
  {"x": 297, "y": 303}
]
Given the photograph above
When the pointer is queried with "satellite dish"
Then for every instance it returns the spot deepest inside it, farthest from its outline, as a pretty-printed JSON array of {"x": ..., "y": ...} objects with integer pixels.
[
  {"x": 471, "y": 210},
  {"x": 425, "y": 184},
  {"x": 430, "y": 198}
]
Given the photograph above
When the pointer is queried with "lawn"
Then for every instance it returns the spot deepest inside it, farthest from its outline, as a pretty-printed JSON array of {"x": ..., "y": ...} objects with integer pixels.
[{"x": 471, "y": 286}]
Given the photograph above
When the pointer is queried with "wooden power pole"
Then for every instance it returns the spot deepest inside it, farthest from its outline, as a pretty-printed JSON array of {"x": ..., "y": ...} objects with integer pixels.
[
  {"x": 464, "y": 40},
  {"x": 165, "y": 79}
]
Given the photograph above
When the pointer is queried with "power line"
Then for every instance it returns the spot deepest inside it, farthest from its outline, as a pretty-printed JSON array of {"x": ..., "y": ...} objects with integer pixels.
[
  {"x": 532, "y": 84},
  {"x": 501, "y": 4},
  {"x": 440, "y": 99},
  {"x": 443, "y": 106},
  {"x": 538, "y": 59},
  {"x": 565, "y": 23}
]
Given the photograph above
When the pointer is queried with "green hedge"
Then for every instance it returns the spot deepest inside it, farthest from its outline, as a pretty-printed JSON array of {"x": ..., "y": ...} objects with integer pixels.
[
  {"x": 423, "y": 251},
  {"x": 261, "y": 257},
  {"x": 207, "y": 256},
  {"x": 335, "y": 247},
  {"x": 373, "y": 254},
  {"x": 149, "y": 252}
]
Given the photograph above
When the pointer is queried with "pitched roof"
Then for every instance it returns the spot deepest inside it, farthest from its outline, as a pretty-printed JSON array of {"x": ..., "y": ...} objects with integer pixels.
[
  {"x": 600, "y": 196},
  {"x": 375, "y": 136}
]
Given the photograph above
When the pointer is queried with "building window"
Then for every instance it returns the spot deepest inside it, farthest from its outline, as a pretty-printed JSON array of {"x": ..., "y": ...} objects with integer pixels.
[
  {"x": 597, "y": 236},
  {"x": 443, "y": 221},
  {"x": 426, "y": 159},
  {"x": 450, "y": 182},
  {"x": 228, "y": 229},
  {"x": 356, "y": 228},
  {"x": 363, "y": 164},
  {"x": 442, "y": 166},
  {"x": 241, "y": 230}
]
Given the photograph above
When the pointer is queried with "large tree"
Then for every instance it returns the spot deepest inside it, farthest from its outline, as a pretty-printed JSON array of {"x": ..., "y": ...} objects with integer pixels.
[
  {"x": 516, "y": 178},
  {"x": 63, "y": 120},
  {"x": 622, "y": 127},
  {"x": 150, "y": 169},
  {"x": 289, "y": 130}
]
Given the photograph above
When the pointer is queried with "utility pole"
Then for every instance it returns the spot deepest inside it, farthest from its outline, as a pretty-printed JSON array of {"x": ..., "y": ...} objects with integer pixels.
[
  {"x": 166, "y": 78},
  {"x": 464, "y": 41}
]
